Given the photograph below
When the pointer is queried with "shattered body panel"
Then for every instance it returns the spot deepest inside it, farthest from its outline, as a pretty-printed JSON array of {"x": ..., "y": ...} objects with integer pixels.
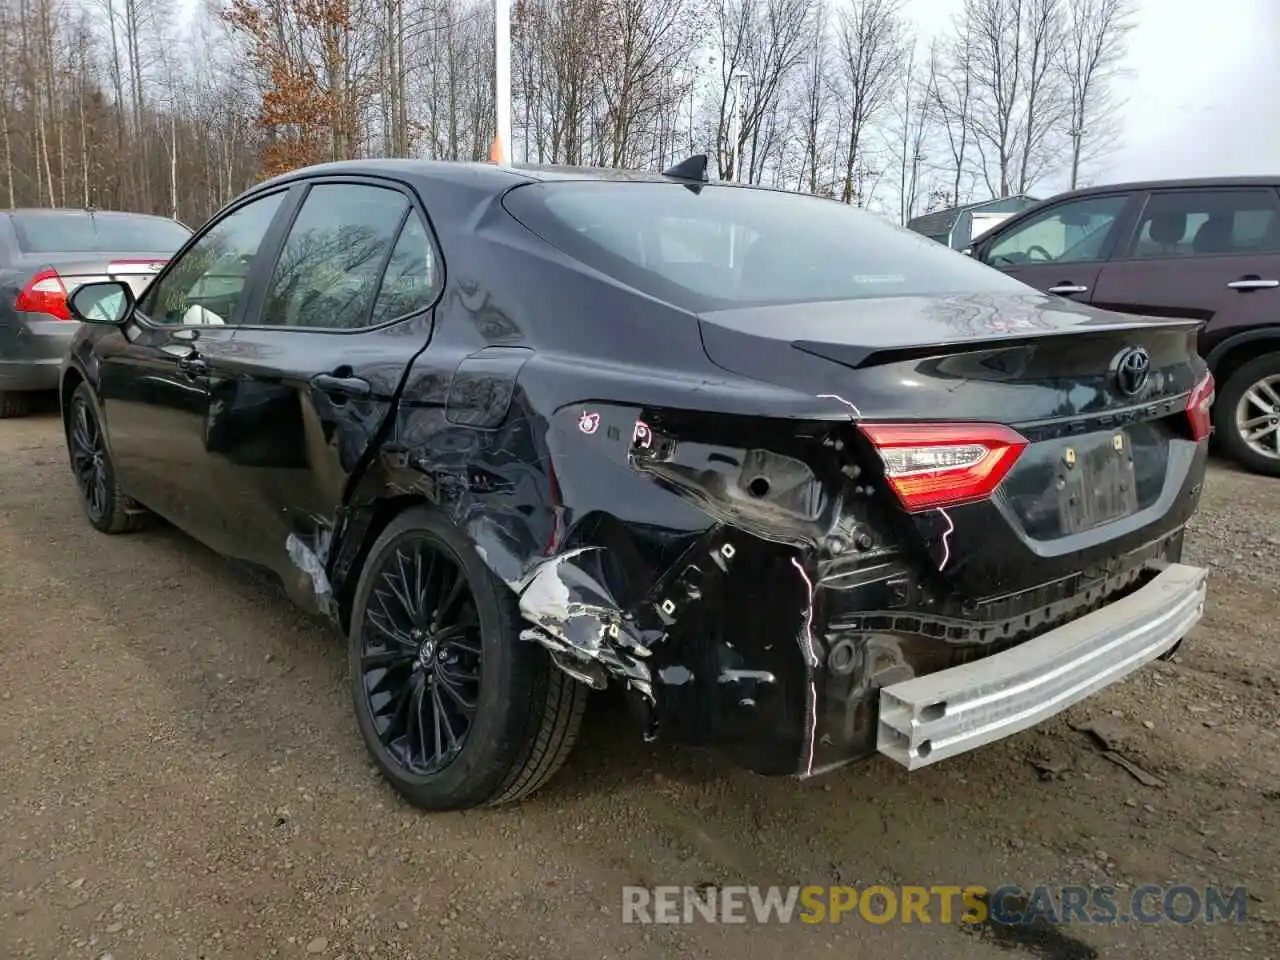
[{"x": 683, "y": 502}]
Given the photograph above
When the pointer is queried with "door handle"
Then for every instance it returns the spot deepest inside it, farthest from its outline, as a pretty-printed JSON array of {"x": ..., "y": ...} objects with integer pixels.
[
  {"x": 1068, "y": 288},
  {"x": 193, "y": 366},
  {"x": 1253, "y": 283},
  {"x": 356, "y": 387}
]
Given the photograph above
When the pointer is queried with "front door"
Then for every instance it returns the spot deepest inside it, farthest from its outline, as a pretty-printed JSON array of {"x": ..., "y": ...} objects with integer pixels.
[
  {"x": 1062, "y": 248},
  {"x": 157, "y": 372},
  {"x": 315, "y": 369}
]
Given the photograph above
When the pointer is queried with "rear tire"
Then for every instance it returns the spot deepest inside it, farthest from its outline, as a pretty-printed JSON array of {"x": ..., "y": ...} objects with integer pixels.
[
  {"x": 432, "y": 630},
  {"x": 14, "y": 404},
  {"x": 1231, "y": 406},
  {"x": 108, "y": 508}
]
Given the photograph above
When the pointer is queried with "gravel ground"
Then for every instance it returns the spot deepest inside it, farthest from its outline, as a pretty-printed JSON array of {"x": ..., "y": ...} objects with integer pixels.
[{"x": 182, "y": 778}]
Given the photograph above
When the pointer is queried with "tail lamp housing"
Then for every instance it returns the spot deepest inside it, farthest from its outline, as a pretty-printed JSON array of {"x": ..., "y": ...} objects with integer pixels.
[
  {"x": 1200, "y": 408},
  {"x": 932, "y": 465},
  {"x": 44, "y": 293}
]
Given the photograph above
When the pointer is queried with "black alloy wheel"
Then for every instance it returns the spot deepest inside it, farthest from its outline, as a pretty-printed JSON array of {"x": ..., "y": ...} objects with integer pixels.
[
  {"x": 88, "y": 455},
  {"x": 105, "y": 504},
  {"x": 420, "y": 656},
  {"x": 456, "y": 709}
]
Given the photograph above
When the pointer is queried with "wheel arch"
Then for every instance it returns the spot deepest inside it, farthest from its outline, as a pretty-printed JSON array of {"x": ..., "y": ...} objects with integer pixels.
[
  {"x": 365, "y": 526},
  {"x": 1234, "y": 352},
  {"x": 72, "y": 377}
]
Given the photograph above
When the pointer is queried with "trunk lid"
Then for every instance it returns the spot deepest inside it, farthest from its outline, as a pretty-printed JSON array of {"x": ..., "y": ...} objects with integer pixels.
[
  {"x": 1109, "y": 467},
  {"x": 131, "y": 267}
]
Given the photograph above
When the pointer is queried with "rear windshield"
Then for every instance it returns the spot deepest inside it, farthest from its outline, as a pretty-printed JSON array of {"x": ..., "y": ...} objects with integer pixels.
[
  {"x": 74, "y": 231},
  {"x": 723, "y": 247}
]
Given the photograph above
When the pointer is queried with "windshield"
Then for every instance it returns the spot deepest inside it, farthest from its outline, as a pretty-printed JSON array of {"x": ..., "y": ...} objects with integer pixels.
[
  {"x": 75, "y": 231},
  {"x": 721, "y": 247}
]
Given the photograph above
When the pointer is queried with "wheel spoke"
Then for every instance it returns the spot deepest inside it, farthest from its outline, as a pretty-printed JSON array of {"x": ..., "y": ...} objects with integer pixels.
[
  {"x": 452, "y": 597},
  {"x": 1258, "y": 434},
  {"x": 1264, "y": 387},
  {"x": 442, "y": 723},
  {"x": 399, "y": 587},
  {"x": 386, "y": 659},
  {"x": 467, "y": 706}
]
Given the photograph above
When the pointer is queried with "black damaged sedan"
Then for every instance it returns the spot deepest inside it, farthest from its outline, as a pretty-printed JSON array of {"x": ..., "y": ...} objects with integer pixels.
[{"x": 803, "y": 485}]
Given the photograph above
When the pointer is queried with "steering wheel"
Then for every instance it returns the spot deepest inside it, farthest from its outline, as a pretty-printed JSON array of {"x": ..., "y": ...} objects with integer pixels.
[{"x": 1046, "y": 255}]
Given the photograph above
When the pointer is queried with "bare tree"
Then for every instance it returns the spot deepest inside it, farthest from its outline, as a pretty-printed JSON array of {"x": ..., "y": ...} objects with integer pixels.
[
  {"x": 872, "y": 53},
  {"x": 913, "y": 121},
  {"x": 758, "y": 45},
  {"x": 1019, "y": 100},
  {"x": 1091, "y": 56},
  {"x": 951, "y": 99}
]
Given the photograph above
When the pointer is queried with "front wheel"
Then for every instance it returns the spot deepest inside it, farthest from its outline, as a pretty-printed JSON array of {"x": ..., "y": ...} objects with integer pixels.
[
  {"x": 456, "y": 710},
  {"x": 105, "y": 504},
  {"x": 1246, "y": 415}
]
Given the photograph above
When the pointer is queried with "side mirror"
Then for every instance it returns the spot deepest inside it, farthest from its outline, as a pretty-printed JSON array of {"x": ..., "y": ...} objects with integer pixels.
[
  {"x": 967, "y": 251},
  {"x": 107, "y": 301}
]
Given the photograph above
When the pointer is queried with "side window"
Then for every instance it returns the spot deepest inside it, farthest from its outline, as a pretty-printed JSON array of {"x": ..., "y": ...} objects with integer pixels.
[
  {"x": 206, "y": 283},
  {"x": 331, "y": 264},
  {"x": 1071, "y": 232},
  {"x": 412, "y": 277},
  {"x": 1205, "y": 223}
]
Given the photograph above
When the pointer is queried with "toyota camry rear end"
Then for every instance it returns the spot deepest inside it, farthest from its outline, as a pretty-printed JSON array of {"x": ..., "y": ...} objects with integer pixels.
[{"x": 946, "y": 506}]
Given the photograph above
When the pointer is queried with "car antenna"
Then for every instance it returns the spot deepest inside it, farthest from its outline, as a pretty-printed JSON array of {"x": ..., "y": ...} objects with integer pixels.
[{"x": 694, "y": 169}]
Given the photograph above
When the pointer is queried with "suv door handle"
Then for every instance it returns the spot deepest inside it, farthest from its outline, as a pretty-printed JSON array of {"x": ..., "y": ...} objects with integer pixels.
[
  {"x": 341, "y": 386},
  {"x": 1068, "y": 288},
  {"x": 193, "y": 366},
  {"x": 1253, "y": 283}
]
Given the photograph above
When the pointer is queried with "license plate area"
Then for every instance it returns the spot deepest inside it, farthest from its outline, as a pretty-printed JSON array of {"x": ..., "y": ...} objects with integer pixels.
[{"x": 1097, "y": 483}]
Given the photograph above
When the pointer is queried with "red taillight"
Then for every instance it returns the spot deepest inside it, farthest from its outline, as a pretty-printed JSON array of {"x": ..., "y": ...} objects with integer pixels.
[
  {"x": 1200, "y": 408},
  {"x": 44, "y": 293},
  {"x": 932, "y": 465}
]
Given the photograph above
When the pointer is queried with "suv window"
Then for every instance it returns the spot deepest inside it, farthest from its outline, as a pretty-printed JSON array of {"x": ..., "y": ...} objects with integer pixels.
[
  {"x": 412, "y": 279},
  {"x": 330, "y": 267},
  {"x": 205, "y": 284},
  {"x": 1204, "y": 223},
  {"x": 1071, "y": 232}
]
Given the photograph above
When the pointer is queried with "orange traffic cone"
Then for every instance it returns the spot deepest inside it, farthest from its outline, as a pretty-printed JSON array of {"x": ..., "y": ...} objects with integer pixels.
[{"x": 495, "y": 151}]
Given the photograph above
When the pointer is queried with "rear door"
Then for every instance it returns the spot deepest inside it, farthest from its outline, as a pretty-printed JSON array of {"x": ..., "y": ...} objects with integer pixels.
[
  {"x": 313, "y": 375},
  {"x": 1211, "y": 255},
  {"x": 1061, "y": 248},
  {"x": 155, "y": 379}
]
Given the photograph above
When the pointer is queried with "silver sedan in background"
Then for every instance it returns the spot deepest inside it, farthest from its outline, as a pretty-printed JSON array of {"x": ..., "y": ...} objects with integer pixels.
[{"x": 44, "y": 255}]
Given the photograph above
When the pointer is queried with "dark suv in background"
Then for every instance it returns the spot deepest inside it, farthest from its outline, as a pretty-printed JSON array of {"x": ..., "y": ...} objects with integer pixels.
[{"x": 1202, "y": 249}]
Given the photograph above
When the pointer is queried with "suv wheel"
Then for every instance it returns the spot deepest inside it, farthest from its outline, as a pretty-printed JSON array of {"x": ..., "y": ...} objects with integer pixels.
[
  {"x": 457, "y": 710},
  {"x": 1246, "y": 415}
]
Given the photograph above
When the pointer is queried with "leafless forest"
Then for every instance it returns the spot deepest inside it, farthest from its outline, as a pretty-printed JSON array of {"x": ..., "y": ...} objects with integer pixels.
[{"x": 155, "y": 106}]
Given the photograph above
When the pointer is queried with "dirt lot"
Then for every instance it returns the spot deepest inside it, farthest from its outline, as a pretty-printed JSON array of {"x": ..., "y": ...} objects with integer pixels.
[{"x": 182, "y": 778}]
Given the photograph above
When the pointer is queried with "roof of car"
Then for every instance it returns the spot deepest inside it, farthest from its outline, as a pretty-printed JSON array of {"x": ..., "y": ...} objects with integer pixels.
[
  {"x": 473, "y": 173},
  {"x": 60, "y": 211},
  {"x": 1194, "y": 183}
]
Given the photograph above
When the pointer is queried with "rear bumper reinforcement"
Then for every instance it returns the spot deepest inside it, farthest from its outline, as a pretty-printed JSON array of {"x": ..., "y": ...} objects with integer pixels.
[{"x": 949, "y": 712}]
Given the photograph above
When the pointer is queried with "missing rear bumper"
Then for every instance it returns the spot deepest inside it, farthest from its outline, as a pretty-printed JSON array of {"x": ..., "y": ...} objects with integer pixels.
[{"x": 927, "y": 719}]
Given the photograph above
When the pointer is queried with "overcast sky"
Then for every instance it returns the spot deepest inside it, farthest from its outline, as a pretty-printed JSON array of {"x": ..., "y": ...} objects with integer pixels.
[{"x": 1203, "y": 90}]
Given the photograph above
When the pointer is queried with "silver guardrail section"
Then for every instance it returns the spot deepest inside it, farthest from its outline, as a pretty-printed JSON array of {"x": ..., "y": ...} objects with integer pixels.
[{"x": 941, "y": 714}]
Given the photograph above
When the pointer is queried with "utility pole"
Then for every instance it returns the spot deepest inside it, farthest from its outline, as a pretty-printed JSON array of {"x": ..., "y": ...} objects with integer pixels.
[
  {"x": 500, "y": 152},
  {"x": 735, "y": 126},
  {"x": 1075, "y": 133}
]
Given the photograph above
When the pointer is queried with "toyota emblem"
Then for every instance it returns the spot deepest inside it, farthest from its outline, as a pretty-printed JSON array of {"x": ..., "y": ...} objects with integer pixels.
[{"x": 1132, "y": 368}]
